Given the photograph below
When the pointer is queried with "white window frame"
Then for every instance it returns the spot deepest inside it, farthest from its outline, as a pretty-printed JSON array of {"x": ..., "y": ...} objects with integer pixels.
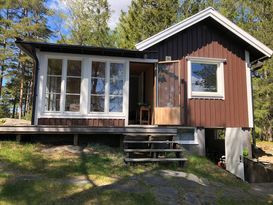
[
  {"x": 107, "y": 87},
  {"x": 84, "y": 112},
  {"x": 220, "y": 94},
  {"x": 190, "y": 142},
  {"x": 63, "y": 85}
]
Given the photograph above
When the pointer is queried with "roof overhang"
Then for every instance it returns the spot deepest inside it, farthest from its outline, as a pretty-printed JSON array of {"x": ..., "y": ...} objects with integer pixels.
[
  {"x": 204, "y": 14},
  {"x": 30, "y": 47}
]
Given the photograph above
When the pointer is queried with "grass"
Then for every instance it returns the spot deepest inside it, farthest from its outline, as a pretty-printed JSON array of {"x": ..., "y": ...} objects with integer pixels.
[
  {"x": 28, "y": 175},
  {"x": 202, "y": 167}
]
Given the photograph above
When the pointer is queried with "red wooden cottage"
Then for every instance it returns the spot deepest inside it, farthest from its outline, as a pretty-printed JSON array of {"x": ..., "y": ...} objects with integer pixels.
[{"x": 194, "y": 77}]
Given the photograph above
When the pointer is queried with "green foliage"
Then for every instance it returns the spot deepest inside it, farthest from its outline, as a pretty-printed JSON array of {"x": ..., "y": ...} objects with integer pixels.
[
  {"x": 245, "y": 152},
  {"x": 88, "y": 22},
  {"x": 26, "y": 20},
  {"x": 144, "y": 19}
]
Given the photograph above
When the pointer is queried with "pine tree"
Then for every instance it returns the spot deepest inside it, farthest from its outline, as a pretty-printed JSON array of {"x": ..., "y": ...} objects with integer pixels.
[
  {"x": 89, "y": 22},
  {"x": 26, "y": 20},
  {"x": 144, "y": 19}
]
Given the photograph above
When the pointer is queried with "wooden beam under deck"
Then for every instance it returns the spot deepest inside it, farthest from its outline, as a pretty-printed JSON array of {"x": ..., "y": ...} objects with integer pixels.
[{"x": 44, "y": 129}]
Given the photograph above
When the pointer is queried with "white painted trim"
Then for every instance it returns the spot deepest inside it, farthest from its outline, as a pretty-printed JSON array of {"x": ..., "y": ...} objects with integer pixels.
[
  {"x": 206, "y": 13},
  {"x": 249, "y": 90},
  {"x": 107, "y": 88},
  {"x": 220, "y": 94},
  {"x": 126, "y": 92},
  {"x": 205, "y": 59},
  {"x": 86, "y": 68},
  {"x": 99, "y": 58},
  {"x": 39, "y": 88},
  {"x": 85, "y": 88}
]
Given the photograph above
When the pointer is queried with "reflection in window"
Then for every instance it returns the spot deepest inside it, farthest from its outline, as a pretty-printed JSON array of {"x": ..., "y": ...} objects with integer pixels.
[
  {"x": 53, "y": 85},
  {"x": 203, "y": 77},
  {"x": 73, "y": 86},
  {"x": 98, "y": 87},
  {"x": 115, "y": 104},
  {"x": 116, "y": 87},
  {"x": 185, "y": 135}
]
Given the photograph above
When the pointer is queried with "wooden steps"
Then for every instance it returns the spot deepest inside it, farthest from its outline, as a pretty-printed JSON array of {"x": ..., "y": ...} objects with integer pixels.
[
  {"x": 156, "y": 160},
  {"x": 152, "y": 148},
  {"x": 150, "y": 142}
]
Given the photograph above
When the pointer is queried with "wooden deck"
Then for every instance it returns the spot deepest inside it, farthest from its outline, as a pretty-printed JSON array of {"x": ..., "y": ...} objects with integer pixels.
[{"x": 49, "y": 129}]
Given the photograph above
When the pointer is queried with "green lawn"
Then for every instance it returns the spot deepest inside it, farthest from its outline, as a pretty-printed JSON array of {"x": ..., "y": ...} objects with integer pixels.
[{"x": 28, "y": 175}]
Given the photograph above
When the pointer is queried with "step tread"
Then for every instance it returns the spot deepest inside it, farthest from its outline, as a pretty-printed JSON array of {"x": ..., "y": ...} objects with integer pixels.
[
  {"x": 153, "y": 150},
  {"x": 153, "y": 159},
  {"x": 155, "y": 142}
]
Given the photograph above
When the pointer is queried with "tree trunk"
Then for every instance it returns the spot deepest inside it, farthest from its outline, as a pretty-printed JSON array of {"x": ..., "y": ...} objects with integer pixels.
[
  {"x": 20, "y": 111},
  {"x": 14, "y": 108}
]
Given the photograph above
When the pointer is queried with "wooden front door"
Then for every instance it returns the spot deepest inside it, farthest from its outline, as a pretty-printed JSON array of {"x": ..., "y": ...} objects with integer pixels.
[{"x": 167, "y": 110}]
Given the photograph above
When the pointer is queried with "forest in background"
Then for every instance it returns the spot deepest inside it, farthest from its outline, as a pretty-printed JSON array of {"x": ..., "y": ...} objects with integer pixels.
[{"x": 86, "y": 23}]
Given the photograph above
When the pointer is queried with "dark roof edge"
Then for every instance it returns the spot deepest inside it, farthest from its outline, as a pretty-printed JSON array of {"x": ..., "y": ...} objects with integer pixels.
[{"x": 27, "y": 47}]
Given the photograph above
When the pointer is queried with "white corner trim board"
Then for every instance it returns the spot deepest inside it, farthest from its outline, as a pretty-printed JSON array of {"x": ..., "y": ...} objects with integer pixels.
[
  {"x": 249, "y": 90},
  {"x": 209, "y": 12}
]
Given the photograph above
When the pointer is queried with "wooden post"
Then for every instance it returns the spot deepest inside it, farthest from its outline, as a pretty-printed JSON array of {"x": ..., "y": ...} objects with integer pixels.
[
  {"x": 121, "y": 139},
  {"x": 76, "y": 139},
  {"x": 18, "y": 138}
]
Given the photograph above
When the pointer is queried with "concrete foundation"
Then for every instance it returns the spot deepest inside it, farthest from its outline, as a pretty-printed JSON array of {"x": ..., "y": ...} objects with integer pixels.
[
  {"x": 199, "y": 147},
  {"x": 237, "y": 142}
]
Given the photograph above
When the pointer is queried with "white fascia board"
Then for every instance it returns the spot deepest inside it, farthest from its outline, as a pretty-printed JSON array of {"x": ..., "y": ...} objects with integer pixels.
[
  {"x": 209, "y": 12},
  {"x": 241, "y": 33}
]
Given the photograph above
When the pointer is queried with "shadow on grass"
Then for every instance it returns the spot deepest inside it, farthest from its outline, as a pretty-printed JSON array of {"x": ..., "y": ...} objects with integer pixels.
[
  {"x": 132, "y": 184},
  {"x": 34, "y": 178}
]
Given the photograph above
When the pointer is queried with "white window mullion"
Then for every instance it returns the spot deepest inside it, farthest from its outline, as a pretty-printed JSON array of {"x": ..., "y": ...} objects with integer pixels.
[
  {"x": 107, "y": 87},
  {"x": 125, "y": 96},
  {"x": 89, "y": 74},
  {"x": 63, "y": 85},
  {"x": 84, "y": 93},
  {"x": 43, "y": 78}
]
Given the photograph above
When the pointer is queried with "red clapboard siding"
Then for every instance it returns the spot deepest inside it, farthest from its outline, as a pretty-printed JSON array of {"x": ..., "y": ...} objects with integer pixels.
[{"x": 205, "y": 39}]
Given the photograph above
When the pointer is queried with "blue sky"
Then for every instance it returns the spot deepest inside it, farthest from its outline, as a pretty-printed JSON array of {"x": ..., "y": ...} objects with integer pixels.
[{"x": 56, "y": 23}]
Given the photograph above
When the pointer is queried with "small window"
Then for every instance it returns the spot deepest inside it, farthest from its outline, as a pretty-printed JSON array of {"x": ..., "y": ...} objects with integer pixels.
[
  {"x": 73, "y": 86},
  {"x": 205, "y": 78},
  {"x": 186, "y": 136}
]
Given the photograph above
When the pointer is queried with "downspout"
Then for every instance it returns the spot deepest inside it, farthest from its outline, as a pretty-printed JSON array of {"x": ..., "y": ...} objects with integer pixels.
[
  {"x": 252, "y": 97},
  {"x": 35, "y": 86}
]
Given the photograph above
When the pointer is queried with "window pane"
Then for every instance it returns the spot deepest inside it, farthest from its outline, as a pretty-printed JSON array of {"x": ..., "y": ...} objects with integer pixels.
[
  {"x": 74, "y": 68},
  {"x": 97, "y": 103},
  {"x": 116, "y": 70},
  {"x": 185, "y": 134},
  {"x": 53, "y": 84},
  {"x": 97, "y": 86},
  {"x": 73, "y": 85},
  {"x": 55, "y": 67},
  {"x": 98, "y": 69},
  {"x": 203, "y": 77},
  {"x": 52, "y": 102},
  {"x": 72, "y": 103},
  {"x": 115, "y": 104},
  {"x": 116, "y": 87}
]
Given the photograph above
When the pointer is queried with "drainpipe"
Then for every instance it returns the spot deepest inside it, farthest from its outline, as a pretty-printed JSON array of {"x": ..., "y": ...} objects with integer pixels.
[
  {"x": 252, "y": 97},
  {"x": 35, "y": 86}
]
